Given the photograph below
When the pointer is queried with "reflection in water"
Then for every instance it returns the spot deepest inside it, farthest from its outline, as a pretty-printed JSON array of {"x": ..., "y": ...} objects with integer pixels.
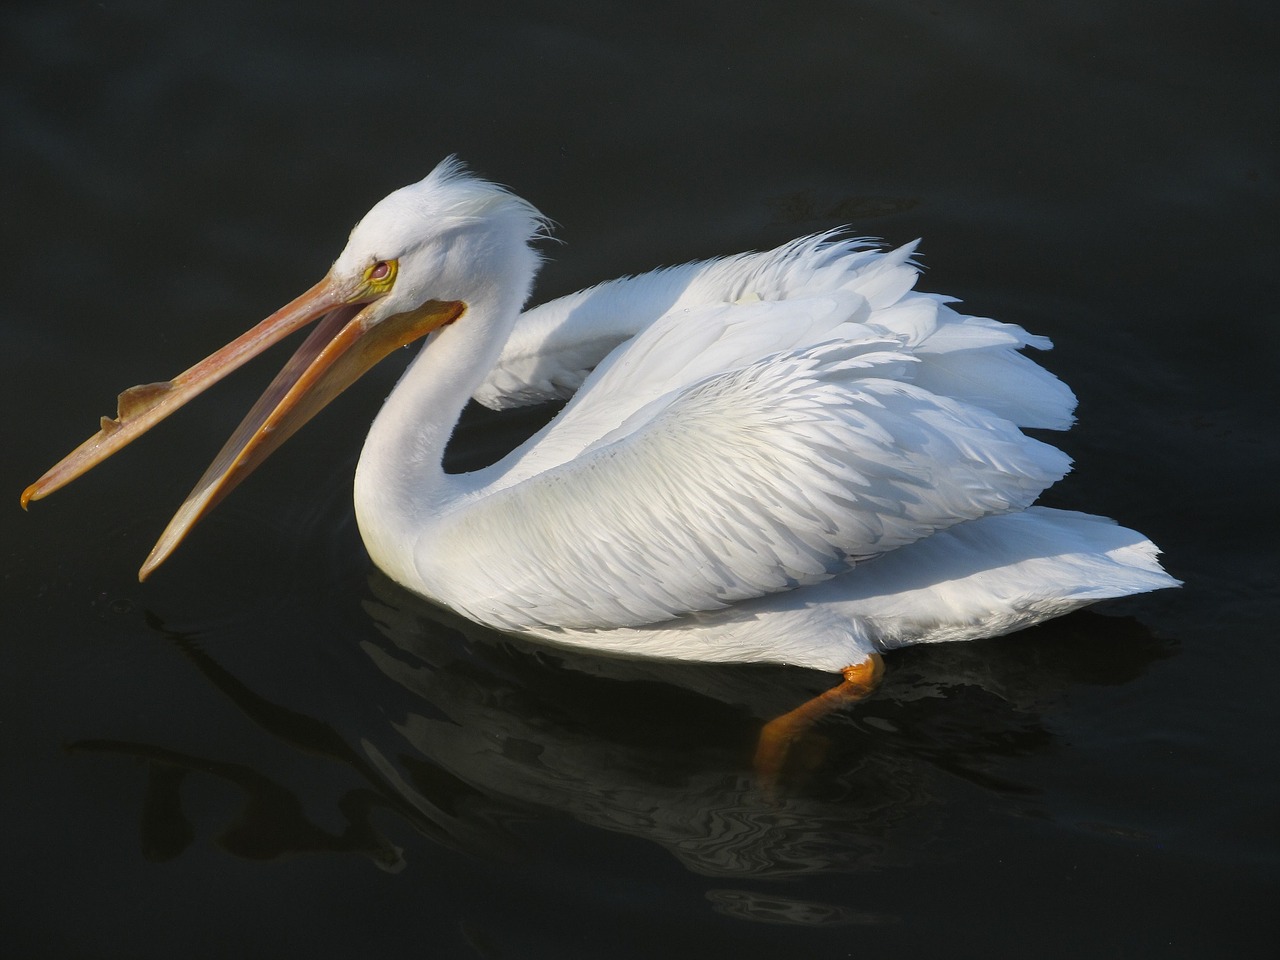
[
  {"x": 626, "y": 746},
  {"x": 483, "y": 733},
  {"x": 271, "y": 824}
]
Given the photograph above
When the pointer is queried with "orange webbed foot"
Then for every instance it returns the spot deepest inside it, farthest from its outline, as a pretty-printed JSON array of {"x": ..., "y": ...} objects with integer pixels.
[{"x": 781, "y": 737}]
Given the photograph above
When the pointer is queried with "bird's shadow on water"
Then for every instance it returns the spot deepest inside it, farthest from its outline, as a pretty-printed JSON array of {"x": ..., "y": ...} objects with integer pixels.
[{"x": 477, "y": 735}]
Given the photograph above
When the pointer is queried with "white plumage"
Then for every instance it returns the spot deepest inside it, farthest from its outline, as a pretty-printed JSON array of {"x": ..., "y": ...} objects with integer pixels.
[
  {"x": 757, "y": 432},
  {"x": 789, "y": 456}
]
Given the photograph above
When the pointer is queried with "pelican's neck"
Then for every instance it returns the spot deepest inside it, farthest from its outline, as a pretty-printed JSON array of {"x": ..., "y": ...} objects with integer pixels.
[{"x": 401, "y": 488}]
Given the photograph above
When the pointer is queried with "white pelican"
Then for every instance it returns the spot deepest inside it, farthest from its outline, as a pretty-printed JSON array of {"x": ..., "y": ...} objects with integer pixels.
[{"x": 790, "y": 456}]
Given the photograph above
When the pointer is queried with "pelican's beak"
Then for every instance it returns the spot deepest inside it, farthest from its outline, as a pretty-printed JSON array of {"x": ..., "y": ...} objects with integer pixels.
[{"x": 347, "y": 342}]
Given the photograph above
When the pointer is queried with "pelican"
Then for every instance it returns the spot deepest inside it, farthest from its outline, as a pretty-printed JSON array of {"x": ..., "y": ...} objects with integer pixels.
[{"x": 790, "y": 456}]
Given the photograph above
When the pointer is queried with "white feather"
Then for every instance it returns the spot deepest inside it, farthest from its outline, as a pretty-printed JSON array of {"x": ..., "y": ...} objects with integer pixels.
[{"x": 788, "y": 456}]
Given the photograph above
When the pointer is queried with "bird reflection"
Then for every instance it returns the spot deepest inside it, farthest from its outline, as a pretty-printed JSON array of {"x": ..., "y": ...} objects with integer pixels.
[
  {"x": 272, "y": 823},
  {"x": 481, "y": 733}
]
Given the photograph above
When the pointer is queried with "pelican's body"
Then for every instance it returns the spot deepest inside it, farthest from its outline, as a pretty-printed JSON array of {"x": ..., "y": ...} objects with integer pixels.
[{"x": 790, "y": 456}]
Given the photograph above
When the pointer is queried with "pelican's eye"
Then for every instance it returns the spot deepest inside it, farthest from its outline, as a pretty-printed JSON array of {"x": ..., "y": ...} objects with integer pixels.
[{"x": 380, "y": 274}]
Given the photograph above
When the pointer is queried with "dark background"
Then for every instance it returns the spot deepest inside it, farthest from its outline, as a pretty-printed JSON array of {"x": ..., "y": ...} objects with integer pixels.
[{"x": 269, "y": 750}]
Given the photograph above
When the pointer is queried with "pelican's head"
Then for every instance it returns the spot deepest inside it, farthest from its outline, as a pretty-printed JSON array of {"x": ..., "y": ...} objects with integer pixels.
[
  {"x": 448, "y": 237},
  {"x": 412, "y": 265}
]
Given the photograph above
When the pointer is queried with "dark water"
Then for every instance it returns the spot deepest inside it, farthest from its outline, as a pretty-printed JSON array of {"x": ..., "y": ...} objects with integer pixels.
[{"x": 268, "y": 750}]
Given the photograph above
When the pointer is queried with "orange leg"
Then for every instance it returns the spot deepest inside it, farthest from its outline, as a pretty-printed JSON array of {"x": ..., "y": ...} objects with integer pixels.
[{"x": 779, "y": 735}]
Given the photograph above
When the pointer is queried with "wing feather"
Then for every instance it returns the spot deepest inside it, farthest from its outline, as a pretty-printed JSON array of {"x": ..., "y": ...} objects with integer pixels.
[
  {"x": 555, "y": 345},
  {"x": 780, "y": 473}
]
